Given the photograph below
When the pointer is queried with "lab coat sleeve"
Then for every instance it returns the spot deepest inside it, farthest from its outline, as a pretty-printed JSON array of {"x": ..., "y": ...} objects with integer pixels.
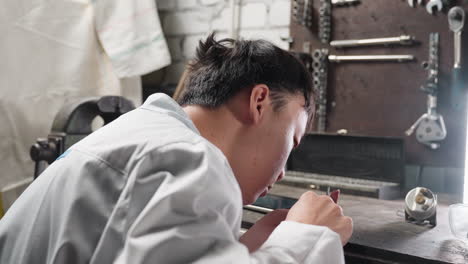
[
  {"x": 194, "y": 217},
  {"x": 293, "y": 242}
]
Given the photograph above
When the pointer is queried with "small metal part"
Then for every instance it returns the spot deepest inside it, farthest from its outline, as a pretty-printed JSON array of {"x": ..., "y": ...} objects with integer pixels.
[
  {"x": 434, "y": 4},
  {"x": 400, "y": 40},
  {"x": 411, "y": 2},
  {"x": 324, "y": 21},
  {"x": 421, "y": 206},
  {"x": 387, "y": 58},
  {"x": 344, "y": 2}
]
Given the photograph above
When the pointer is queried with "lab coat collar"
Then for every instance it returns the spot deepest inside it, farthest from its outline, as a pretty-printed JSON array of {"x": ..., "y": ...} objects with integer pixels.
[{"x": 163, "y": 103}]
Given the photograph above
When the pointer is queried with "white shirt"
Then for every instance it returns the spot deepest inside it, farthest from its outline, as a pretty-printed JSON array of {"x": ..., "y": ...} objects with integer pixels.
[{"x": 146, "y": 188}]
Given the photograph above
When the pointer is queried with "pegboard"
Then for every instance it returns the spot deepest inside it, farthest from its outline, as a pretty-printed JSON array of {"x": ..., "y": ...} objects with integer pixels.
[{"x": 384, "y": 99}]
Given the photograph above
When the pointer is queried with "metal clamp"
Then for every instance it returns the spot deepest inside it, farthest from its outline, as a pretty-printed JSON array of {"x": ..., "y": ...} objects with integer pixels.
[{"x": 430, "y": 127}]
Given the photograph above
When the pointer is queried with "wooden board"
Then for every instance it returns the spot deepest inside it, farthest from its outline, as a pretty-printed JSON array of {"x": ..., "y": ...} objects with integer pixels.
[{"x": 384, "y": 99}]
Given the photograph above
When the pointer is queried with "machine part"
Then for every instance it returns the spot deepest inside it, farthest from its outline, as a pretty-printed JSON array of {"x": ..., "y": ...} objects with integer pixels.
[
  {"x": 401, "y": 40},
  {"x": 302, "y": 12},
  {"x": 430, "y": 127},
  {"x": 421, "y": 206},
  {"x": 388, "y": 58},
  {"x": 73, "y": 123},
  {"x": 432, "y": 66},
  {"x": 319, "y": 78},
  {"x": 411, "y": 2},
  {"x": 434, "y": 4},
  {"x": 456, "y": 20},
  {"x": 344, "y": 2},
  {"x": 324, "y": 21}
]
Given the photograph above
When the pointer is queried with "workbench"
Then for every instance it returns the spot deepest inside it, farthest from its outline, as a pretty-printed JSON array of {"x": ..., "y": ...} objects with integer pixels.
[{"x": 381, "y": 234}]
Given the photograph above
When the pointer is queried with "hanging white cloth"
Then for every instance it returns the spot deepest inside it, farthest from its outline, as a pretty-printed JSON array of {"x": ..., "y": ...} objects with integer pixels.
[{"x": 55, "y": 50}]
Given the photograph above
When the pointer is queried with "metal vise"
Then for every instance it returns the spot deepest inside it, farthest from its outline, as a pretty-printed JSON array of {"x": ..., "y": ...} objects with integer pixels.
[{"x": 74, "y": 122}]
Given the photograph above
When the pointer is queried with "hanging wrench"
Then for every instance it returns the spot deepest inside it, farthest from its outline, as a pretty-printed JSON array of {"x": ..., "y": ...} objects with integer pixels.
[
  {"x": 437, "y": 4},
  {"x": 411, "y": 2},
  {"x": 456, "y": 19}
]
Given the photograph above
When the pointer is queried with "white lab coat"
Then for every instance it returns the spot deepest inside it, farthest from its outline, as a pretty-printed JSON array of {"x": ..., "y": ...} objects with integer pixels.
[{"x": 146, "y": 188}]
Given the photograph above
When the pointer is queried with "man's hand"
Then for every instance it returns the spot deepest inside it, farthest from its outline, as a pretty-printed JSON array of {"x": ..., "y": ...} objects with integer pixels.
[
  {"x": 322, "y": 211},
  {"x": 261, "y": 230}
]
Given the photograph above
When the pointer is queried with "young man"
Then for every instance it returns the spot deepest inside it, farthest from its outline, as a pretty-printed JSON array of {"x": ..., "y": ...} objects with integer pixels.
[{"x": 166, "y": 184}]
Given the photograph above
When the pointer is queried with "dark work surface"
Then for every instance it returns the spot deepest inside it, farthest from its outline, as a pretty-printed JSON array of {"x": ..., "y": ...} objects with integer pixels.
[
  {"x": 381, "y": 233},
  {"x": 384, "y": 99}
]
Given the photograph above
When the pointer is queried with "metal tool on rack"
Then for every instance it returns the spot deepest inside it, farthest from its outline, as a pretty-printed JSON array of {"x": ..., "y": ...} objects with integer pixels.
[
  {"x": 432, "y": 5},
  {"x": 349, "y": 43},
  {"x": 302, "y": 12},
  {"x": 320, "y": 61},
  {"x": 456, "y": 20},
  {"x": 411, "y": 2},
  {"x": 324, "y": 21},
  {"x": 370, "y": 58},
  {"x": 430, "y": 127},
  {"x": 344, "y": 2},
  {"x": 319, "y": 78}
]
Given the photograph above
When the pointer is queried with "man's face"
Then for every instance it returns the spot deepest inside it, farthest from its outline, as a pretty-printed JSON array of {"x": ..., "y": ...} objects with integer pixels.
[{"x": 269, "y": 147}]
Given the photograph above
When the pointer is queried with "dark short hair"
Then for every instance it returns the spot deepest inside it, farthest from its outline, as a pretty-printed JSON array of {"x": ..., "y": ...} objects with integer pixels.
[{"x": 223, "y": 68}]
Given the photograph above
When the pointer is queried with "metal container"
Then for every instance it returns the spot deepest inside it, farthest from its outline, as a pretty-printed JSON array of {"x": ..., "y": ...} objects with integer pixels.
[{"x": 421, "y": 206}]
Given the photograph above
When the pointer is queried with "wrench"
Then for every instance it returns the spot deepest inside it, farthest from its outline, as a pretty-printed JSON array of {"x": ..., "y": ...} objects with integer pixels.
[
  {"x": 411, "y": 2},
  {"x": 434, "y": 4},
  {"x": 456, "y": 19}
]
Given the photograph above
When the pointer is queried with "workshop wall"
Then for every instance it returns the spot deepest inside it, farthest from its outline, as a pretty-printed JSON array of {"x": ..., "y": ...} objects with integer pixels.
[
  {"x": 385, "y": 99},
  {"x": 185, "y": 22}
]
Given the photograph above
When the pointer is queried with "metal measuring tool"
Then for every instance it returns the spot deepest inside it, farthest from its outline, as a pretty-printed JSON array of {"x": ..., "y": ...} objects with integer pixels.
[
  {"x": 349, "y": 43},
  {"x": 456, "y": 20}
]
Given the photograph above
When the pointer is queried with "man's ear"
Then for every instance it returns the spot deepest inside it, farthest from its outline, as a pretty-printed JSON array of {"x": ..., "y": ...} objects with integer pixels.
[{"x": 259, "y": 102}]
